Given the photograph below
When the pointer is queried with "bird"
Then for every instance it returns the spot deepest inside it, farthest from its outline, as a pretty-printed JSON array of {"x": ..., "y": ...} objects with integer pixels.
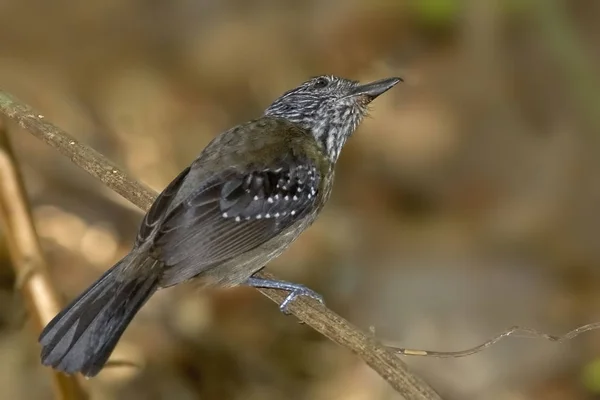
[{"x": 248, "y": 195}]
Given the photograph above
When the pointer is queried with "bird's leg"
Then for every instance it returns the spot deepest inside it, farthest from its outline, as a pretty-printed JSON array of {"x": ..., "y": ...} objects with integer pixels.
[{"x": 294, "y": 290}]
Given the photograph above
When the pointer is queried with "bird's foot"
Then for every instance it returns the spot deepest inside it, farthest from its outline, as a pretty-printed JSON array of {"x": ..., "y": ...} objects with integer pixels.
[
  {"x": 294, "y": 290},
  {"x": 299, "y": 290}
]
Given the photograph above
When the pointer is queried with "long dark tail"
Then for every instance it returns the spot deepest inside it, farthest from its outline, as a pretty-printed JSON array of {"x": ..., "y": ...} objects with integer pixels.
[{"x": 83, "y": 335}]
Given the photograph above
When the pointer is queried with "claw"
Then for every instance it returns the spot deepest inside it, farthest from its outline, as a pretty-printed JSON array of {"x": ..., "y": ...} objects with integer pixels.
[
  {"x": 294, "y": 290},
  {"x": 299, "y": 291}
]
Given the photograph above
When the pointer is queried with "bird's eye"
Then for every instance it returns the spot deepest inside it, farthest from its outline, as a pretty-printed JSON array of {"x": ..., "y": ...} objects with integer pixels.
[{"x": 320, "y": 83}]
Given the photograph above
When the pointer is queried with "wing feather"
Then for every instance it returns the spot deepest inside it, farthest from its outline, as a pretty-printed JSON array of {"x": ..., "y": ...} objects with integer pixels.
[
  {"x": 204, "y": 218},
  {"x": 233, "y": 216}
]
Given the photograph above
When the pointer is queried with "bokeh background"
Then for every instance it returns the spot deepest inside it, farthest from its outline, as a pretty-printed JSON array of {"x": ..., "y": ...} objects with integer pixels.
[{"x": 468, "y": 203}]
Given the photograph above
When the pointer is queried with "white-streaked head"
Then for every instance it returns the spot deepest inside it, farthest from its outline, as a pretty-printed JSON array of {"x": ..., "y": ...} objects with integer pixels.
[{"x": 329, "y": 107}]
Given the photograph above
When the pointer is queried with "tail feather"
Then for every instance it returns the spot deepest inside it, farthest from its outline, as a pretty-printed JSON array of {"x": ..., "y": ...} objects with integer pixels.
[{"x": 83, "y": 335}]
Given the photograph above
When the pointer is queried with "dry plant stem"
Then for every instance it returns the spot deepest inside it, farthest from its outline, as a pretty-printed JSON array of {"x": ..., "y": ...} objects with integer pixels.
[
  {"x": 26, "y": 257},
  {"x": 383, "y": 360},
  {"x": 515, "y": 331}
]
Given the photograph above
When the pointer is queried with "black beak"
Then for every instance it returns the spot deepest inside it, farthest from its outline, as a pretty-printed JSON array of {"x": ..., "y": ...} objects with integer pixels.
[{"x": 374, "y": 89}]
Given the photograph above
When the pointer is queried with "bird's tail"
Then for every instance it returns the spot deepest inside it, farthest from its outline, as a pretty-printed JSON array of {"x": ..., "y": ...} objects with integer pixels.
[{"x": 83, "y": 335}]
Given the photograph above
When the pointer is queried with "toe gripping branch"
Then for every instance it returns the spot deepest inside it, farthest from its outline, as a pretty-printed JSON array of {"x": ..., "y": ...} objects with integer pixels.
[{"x": 294, "y": 290}]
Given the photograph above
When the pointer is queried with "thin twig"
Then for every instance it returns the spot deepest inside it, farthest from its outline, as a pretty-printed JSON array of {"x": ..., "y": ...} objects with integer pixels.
[
  {"x": 381, "y": 359},
  {"x": 27, "y": 257},
  {"x": 515, "y": 331}
]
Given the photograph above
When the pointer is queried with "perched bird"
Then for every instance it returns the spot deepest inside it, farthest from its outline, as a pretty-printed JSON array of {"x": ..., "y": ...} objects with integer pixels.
[{"x": 240, "y": 204}]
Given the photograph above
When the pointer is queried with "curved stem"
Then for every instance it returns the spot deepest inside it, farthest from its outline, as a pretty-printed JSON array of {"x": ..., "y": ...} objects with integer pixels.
[{"x": 27, "y": 257}]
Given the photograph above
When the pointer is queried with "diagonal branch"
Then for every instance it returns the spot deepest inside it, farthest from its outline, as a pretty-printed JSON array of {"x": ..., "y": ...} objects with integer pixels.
[
  {"x": 26, "y": 256},
  {"x": 320, "y": 318}
]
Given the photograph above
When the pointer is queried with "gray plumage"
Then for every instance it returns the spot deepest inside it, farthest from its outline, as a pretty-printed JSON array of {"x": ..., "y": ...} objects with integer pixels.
[{"x": 240, "y": 204}]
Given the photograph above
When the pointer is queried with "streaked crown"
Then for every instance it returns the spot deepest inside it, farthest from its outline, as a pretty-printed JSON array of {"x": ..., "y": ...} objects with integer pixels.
[{"x": 329, "y": 107}]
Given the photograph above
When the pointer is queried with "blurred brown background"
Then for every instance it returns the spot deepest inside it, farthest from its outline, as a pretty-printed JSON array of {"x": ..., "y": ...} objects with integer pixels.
[{"x": 467, "y": 204}]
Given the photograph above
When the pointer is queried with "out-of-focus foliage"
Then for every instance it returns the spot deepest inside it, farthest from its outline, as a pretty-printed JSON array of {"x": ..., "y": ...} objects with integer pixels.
[
  {"x": 467, "y": 204},
  {"x": 437, "y": 12}
]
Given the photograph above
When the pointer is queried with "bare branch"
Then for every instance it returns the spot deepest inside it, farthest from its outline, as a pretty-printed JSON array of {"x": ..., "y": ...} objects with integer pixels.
[
  {"x": 515, "y": 331},
  {"x": 27, "y": 257},
  {"x": 383, "y": 360}
]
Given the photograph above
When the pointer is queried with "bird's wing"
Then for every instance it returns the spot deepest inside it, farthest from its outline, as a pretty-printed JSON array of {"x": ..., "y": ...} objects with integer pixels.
[
  {"x": 229, "y": 213},
  {"x": 158, "y": 211}
]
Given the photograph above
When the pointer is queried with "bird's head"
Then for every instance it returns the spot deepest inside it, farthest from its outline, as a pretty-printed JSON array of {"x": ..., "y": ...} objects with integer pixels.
[{"x": 329, "y": 107}]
